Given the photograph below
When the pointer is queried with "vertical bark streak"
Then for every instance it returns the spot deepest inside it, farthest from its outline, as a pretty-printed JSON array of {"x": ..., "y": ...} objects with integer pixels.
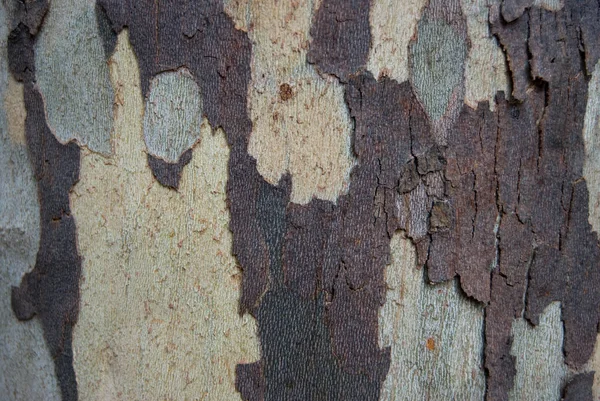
[{"x": 51, "y": 289}]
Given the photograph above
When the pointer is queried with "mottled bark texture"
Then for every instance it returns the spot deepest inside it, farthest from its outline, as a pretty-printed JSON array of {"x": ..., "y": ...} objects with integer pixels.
[
  {"x": 303, "y": 265},
  {"x": 51, "y": 290},
  {"x": 496, "y": 198}
]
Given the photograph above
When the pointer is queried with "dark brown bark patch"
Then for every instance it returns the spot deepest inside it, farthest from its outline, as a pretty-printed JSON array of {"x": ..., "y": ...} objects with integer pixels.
[
  {"x": 341, "y": 37},
  {"x": 169, "y": 174},
  {"x": 513, "y": 39},
  {"x": 462, "y": 226},
  {"x": 580, "y": 388},
  {"x": 513, "y": 9},
  {"x": 51, "y": 289}
]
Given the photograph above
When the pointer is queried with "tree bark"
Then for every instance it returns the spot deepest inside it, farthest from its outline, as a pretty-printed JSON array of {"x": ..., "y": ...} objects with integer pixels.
[{"x": 304, "y": 200}]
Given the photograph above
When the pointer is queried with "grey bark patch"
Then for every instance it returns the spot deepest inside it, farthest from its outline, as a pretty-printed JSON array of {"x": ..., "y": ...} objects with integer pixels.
[
  {"x": 437, "y": 64},
  {"x": 173, "y": 115},
  {"x": 72, "y": 73},
  {"x": 541, "y": 372}
]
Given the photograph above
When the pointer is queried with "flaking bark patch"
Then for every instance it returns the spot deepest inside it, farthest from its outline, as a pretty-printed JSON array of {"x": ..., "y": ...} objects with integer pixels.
[{"x": 547, "y": 250}]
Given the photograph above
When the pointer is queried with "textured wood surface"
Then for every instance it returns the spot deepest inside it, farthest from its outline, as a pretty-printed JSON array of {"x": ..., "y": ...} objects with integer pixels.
[
  {"x": 172, "y": 115},
  {"x": 160, "y": 288}
]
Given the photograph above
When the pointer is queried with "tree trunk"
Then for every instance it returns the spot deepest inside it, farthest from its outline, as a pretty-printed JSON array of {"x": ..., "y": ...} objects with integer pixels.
[{"x": 300, "y": 200}]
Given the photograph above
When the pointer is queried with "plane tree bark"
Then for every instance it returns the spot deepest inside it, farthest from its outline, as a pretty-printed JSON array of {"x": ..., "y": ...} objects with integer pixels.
[{"x": 316, "y": 200}]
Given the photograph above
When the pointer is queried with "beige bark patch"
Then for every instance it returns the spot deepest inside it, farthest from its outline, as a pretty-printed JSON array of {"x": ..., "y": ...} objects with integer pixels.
[
  {"x": 435, "y": 334},
  {"x": 552, "y": 5},
  {"x": 14, "y": 105},
  {"x": 591, "y": 173},
  {"x": 160, "y": 288},
  {"x": 300, "y": 122},
  {"x": 393, "y": 25},
  {"x": 541, "y": 372},
  {"x": 591, "y": 138},
  {"x": 239, "y": 11},
  {"x": 485, "y": 70}
]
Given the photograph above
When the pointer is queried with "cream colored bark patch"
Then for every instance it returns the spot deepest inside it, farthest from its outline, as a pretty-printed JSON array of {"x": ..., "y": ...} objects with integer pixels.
[
  {"x": 435, "y": 334},
  {"x": 552, "y": 5},
  {"x": 485, "y": 70},
  {"x": 239, "y": 11},
  {"x": 393, "y": 25},
  {"x": 14, "y": 104},
  {"x": 73, "y": 76},
  {"x": 300, "y": 122},
  {"x": 159, "y": 292},
  {"x": 591, "y": 137},
  {"x": 541, "y": 372}
]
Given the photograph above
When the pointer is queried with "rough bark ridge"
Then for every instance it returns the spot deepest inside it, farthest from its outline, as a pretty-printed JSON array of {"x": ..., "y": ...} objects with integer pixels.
[
  {"x": 547, "y": 250},
  {"x": 51, "y": 290},
  {"x": 522, "y": 165}
]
